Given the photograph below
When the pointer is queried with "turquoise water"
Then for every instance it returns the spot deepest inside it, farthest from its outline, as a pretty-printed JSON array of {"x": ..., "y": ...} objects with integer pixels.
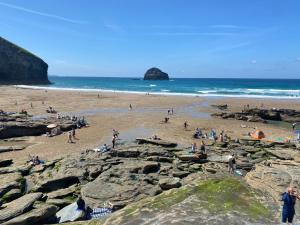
[{"x": 274, "y": 88}]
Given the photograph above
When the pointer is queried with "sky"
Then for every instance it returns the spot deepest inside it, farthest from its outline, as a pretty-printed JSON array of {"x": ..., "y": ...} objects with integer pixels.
[{"x": 185, "y": 38}]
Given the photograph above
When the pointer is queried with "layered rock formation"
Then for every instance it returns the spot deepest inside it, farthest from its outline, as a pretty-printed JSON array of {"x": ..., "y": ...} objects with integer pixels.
[
  {"x": 18, "y": 66},
  {"x": 155, "y": 74},
  {"x": 151, "y": 181}
]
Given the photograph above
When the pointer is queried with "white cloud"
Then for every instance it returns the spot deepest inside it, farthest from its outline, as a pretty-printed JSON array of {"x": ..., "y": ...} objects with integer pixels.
[
  {"x": 115, "y": 28},
  {"x": 190, "y": 34},
  {"x": 253, "y": 61},
  {"x": 41, "y": 13}
]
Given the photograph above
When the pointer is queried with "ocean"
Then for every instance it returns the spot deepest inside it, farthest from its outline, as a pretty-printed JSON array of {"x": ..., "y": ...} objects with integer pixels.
[{"x": 257, "y": 88}]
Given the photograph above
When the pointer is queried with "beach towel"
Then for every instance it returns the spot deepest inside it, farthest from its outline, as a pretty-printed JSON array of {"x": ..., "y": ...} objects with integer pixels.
[{"x": 99, "y": 213}]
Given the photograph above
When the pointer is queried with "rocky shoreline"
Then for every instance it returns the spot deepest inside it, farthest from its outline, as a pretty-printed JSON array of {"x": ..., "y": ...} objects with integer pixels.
[
  {"x": 132, "y": 175},
  {"x": 260, "y": 115}
]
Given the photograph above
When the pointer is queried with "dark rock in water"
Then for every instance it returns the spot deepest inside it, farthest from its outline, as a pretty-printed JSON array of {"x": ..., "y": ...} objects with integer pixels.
[
  {"x": 18, "y": 66},
  {"x": 155, "y": 74},
  {"x": 156, "y": 142}
]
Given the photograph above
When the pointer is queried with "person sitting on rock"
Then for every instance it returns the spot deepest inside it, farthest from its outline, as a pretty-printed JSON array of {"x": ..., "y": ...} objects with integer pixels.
[
  {"x": 289, "y": 200},
  {"x": 155, "y": 137},
  {"x": 104, "y": 148}
]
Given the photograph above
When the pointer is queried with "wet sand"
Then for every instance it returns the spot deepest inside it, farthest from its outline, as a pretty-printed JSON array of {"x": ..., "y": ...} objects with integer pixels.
[{"x": 111, "y": 110}]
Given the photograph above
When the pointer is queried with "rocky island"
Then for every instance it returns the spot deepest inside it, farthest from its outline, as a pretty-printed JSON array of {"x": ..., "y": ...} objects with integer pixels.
[
  {"x": 18, "y": 66},
  {"x": 155, "y": 74}
]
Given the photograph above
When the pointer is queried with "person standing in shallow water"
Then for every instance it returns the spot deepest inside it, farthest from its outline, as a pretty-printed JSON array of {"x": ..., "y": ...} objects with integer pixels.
[{"x": 289, "y": 200}]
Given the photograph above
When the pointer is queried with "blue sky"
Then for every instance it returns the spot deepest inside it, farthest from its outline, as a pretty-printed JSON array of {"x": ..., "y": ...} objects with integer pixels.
[{"x": 186, "y": 38}]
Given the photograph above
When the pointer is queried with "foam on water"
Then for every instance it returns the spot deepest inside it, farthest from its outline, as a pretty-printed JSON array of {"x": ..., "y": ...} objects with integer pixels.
[{"x": 242, "y": 88}]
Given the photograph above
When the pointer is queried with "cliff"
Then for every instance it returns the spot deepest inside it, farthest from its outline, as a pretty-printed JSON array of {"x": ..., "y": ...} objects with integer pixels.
[
  {"x": 155, "y": 74},
  {"x": 18, "y": 66}
]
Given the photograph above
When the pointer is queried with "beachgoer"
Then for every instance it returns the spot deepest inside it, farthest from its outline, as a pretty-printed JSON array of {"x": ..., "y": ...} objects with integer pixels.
[
  {"x": 289, "y": 200},
  {"x": 185, "y": 125},
  {"x": 31, "y": 105},
  {"x": 130, "y": 107},
  {"x": 113, "y": 141},
  {"x": 231, "y": 164},
  {"x": 202, "y": 147},
  {"x": 97, "y": 213},
  {"x": 70, "y": 137},
  {"x": 166, "y": 119},
  {"x": 115, "y": 133},
  {"x": 155, "y": 137},
  {"x": 103, "y": 148},
  {"x": 98, "y": 96},
  {"x": 169, "y": 111},
  {"x": 194, "y": 147},
  {"x": 294, "y": 125},
  {"x": 172, "y": 111},
  {"x": 73, "y": 133},
  {"x": 221, "y": 138},
  {"x": 80, "y": 203}
]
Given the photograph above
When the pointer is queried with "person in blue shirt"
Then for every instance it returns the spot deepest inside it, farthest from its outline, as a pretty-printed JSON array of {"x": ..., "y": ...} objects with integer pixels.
[{"x": 288, "y": 210}]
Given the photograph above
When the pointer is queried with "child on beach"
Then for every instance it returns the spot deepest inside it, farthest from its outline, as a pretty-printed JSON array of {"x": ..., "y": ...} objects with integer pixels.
[{"x": 70, "y": 137}]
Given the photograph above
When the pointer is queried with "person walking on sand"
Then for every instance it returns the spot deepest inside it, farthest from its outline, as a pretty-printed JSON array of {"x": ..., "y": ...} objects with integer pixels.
[
  {"x": 113, "y": 141},
  {"x": 73, "y": 133},
  {"x": 288, "y": 209},
  {"x": 185, "y": 125},
  {"x": 130, "y": 107},
  {"x": 70, "y": 137},
  {"x": 172, "y": 111}
]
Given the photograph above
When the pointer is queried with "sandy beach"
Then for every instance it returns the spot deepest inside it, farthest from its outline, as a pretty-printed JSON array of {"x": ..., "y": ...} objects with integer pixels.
[{"x": 111, "y": 111}]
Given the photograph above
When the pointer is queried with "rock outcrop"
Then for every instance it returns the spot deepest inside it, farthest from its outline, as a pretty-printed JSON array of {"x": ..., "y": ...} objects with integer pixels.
[
  {"x": 262, "y": 115},
  {"x": 146, "y": 181},
  {"x": 18, "y": 66},
  {"x": 155, "y": 74}
]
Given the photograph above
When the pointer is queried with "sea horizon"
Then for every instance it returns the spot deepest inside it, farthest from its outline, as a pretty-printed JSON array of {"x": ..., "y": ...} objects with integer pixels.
[{"x": 214, "y": 87}]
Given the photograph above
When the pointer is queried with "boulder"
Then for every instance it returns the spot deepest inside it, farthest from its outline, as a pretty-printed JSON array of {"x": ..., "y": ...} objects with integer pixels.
[
  {"x": 155, "y": 74},
  {"x": 169, "y": 183},
  {"x": 18, "y": 206},
  {"x": 10, "y": 181},
  {"x": 39, "y": 215},
  {"x": 192, "y": 158},
  {"x": 11, "y": 195},
  {"x": 62, "y": 192},
  {"x": 57, "y": 183},
  {"x": 150, "y": 167},
  {"x": 60, "y": 203},
  {"x": 180, "y": 174}
]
